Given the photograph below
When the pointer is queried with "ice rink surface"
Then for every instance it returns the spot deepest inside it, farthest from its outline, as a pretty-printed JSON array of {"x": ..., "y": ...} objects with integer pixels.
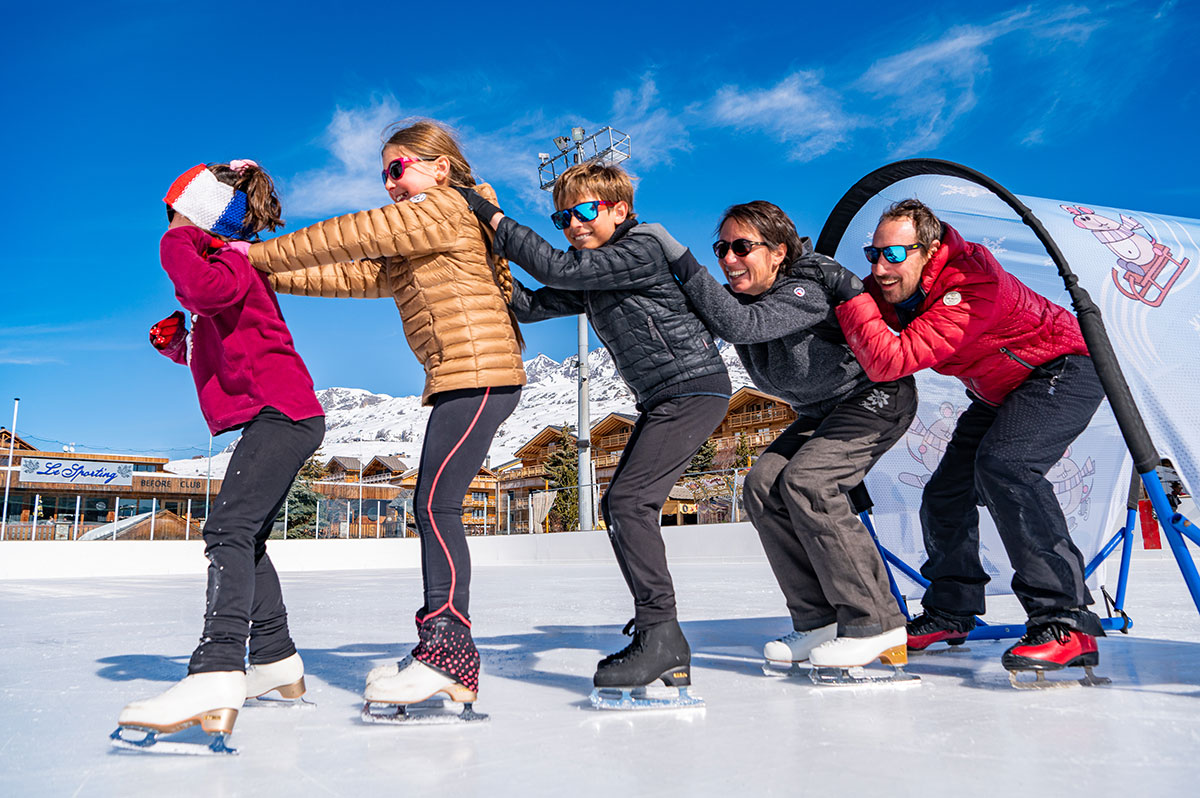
[{"x": 73, "y": 652}]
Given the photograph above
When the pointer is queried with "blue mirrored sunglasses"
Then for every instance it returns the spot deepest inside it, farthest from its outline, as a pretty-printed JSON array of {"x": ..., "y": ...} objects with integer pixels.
[
  {"x": 584, "y": 212},
  {"x": 896, "y": 253}
]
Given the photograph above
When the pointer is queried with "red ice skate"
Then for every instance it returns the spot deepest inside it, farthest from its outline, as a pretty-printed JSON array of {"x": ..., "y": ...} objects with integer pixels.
[
  {"x": 927, "y": 629},
  {"x": 1052, "y": 647}
]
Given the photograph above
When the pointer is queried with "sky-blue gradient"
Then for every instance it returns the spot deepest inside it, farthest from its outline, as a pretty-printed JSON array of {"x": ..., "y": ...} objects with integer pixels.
[{"x": 106, "y": 104}]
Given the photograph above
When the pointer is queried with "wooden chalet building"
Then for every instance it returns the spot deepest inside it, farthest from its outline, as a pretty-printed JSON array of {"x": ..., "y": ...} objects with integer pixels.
[{"x": 754, "y": 416}]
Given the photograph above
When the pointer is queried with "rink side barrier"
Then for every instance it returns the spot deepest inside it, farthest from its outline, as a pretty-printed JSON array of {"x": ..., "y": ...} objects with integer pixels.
[{"x": 26, "y": 559}]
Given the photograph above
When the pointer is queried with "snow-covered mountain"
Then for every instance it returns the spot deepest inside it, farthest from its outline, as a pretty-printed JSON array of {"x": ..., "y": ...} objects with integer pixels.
[{"x": 362, "y": 424}]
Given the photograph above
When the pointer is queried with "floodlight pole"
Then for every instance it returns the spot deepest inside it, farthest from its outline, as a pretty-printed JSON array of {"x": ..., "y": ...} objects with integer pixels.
[{"x": 583, "y": 434}]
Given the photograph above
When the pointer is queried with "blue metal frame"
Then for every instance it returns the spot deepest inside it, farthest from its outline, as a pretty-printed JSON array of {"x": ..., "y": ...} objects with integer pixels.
[{"x": 1175, "y": 527}]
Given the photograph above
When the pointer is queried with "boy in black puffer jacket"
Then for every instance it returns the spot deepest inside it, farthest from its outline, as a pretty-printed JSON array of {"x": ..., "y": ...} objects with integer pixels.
[{"x": 616, "y": 272}]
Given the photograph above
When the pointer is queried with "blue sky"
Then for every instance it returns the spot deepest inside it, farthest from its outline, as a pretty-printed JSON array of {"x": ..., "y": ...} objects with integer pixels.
[{"x": 105, "y": 106}]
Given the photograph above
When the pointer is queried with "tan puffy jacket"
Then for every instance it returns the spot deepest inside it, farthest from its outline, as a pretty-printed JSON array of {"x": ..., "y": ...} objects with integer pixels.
[{"x": 433, "y": 257}]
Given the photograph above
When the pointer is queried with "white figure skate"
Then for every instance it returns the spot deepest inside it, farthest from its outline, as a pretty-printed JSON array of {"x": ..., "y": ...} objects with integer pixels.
[
  {"x": 784, "y": 656},
  {"x": 210, "y": 700},
  {"x": 416, "y": 692},
  {"x": 841, "y": 662},
  {"x": 279, "y": 683}
]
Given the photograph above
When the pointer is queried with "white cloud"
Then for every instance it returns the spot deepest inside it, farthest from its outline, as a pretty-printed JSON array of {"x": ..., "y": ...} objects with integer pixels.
[
  {"x": 933, "y": 85},
  {"x": 351, "y": 182},
  {"x": 655, "y": 131},
  {"x": 799, "y": 111}
]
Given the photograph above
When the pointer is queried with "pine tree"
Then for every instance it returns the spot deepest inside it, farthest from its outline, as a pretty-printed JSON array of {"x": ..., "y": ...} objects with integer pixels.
[
  {"x": 703, "y": 461},
  {"x": 743, "y": 452},
  {"x": 562, "y": 471},
  {"x": 302, "y": 500}
]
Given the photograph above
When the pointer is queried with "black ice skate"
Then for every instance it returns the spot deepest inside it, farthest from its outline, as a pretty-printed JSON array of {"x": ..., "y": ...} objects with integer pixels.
[
  {"x": 1052, "y": 647},
  {"x": 625, "y": 680}
]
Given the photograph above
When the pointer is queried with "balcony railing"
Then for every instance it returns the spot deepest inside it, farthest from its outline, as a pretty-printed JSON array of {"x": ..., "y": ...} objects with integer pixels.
[{"x": 760, "y": 417}]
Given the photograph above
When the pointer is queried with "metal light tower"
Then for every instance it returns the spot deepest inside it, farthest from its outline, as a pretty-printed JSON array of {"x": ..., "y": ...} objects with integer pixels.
[{"x": 610, "y": 147}]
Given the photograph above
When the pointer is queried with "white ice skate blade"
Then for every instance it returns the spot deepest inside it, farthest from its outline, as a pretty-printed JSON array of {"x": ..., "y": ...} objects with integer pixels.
[
  {"x": 1042, "y": 683},
  {"x": 151, "y": 744},
  {"x": 643, "y": 698},
  {"x": 859, "y": 676},
  {"x": 430, "y": 712}
]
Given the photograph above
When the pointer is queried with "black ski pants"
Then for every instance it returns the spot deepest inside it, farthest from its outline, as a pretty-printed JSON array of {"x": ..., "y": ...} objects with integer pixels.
[
  {"x": 663, "y": 441},
  {"x": 457, "y": 437},
  {"x": 824, "y": 559},
  {"x": 998, "y": 457},
  {"x": 244, "y": 598}
]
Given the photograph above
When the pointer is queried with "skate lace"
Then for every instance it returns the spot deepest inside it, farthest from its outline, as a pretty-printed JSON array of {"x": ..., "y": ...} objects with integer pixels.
[
  {"x": 925, "y": 624},
  {"x": 636, "y": 644},
  {"x": 791, "y": 637},
  {"x": 1044, "y": 633}
]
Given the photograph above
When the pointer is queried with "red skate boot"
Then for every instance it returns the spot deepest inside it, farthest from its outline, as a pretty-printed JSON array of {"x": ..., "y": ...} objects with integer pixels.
[
  {"x": 1052, "y": 647},
  {"x": 929, "y": 628}
]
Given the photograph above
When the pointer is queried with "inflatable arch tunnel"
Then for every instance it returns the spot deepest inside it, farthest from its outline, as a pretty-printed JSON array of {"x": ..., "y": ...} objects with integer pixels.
[{"x": 1138, "y": 270}]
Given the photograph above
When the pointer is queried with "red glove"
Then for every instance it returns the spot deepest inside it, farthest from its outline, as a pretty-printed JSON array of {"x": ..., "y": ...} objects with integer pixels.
[{"x": 167, "y": 332}]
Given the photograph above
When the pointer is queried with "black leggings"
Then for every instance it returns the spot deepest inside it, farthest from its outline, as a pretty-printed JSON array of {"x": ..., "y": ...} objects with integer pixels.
[
  {"x": 457, "y": 439},
  {"x": 244, "y": 598}
]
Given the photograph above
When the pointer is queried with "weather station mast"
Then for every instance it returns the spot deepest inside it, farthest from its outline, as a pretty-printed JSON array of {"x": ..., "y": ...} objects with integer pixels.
[{"x": 610, "y": 147}]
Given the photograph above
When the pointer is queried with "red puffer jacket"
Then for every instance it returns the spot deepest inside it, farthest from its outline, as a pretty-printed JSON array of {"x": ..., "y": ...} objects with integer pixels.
[{"x": 972, "y": 309}]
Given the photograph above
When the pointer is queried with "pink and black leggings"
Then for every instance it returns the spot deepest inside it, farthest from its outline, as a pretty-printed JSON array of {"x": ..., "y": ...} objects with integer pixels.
[{"x": 457, "y": 439}]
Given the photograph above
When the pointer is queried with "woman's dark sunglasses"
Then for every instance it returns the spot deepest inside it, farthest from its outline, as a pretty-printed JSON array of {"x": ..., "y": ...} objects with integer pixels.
[
  {"x": 584, "y": 212},
  {"x": 395, "y": 169},
  {"x": 740, "y": 246},
  {"x": 896, "y": 253}
]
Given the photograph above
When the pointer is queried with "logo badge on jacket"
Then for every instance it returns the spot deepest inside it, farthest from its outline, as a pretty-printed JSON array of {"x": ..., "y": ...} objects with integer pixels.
[
  {"x": 798, "y": 291},
  {"x": 417, "y": 197},
  {"x": 951, "y": 299}
]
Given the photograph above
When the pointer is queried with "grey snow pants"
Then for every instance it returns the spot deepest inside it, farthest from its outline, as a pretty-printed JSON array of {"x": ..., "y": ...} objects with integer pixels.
[{"x": 823, "y": 557}]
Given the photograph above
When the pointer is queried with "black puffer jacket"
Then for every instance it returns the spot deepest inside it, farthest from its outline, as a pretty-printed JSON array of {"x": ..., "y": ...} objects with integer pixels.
[{"x": 660, "y": 347}]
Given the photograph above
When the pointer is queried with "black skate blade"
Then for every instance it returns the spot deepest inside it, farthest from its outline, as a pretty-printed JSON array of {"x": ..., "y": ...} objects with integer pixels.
[
  {"x": 859, "y": 676},
  {"x": 643, "y": 698},
  {"x": 430, "y": 712},
  {"x": 268, "y": 701},
  {"x": 940, "y": 651},
  {"x": 151, "y": 744},
  {"x": 1042, "y": 683}
]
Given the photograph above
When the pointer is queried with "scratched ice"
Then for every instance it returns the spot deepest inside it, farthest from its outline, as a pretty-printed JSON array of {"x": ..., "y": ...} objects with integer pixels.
[{"x": 75, "y": 651}]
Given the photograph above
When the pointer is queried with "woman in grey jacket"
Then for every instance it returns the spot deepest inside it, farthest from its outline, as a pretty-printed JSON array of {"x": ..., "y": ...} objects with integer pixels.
[{"x": 776, "y": 311}]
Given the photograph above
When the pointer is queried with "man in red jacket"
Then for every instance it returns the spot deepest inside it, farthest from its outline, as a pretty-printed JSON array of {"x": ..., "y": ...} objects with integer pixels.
[{"x": 1033, "y": 390}]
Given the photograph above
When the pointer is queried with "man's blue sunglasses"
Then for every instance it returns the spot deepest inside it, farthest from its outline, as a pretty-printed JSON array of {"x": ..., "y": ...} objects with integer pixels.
[
  {"x": 584, "y": 212},
  {"x": 896, "y": 253}
]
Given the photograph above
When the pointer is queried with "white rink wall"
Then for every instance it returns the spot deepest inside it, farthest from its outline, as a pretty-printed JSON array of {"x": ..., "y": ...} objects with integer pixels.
[{"x": 23, "y": 559}]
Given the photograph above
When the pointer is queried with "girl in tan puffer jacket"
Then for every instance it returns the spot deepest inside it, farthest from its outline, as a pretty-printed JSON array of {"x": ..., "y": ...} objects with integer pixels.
[{"x": 429, "y": 252}]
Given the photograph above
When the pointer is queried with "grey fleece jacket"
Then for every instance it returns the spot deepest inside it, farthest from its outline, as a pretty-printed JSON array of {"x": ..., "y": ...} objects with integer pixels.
[{"x": 776, "y": 334}]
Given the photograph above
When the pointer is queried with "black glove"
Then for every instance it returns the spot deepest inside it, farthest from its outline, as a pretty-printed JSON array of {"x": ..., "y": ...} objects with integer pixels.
[
  {"x": 164, "y": 334},
  {"x": 841, "y": 283},
  {"x": 482, "y": 208},
  {"x": 685, "y": 266}
]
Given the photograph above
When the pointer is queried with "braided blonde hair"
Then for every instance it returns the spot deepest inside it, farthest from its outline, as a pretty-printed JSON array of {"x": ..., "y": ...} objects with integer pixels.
[{"x": 426, "y": 138}]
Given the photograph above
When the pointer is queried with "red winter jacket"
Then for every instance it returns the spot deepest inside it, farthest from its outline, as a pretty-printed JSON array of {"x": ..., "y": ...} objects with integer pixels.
[
  {"x": 972, "y": 308},
  {"x": 240, "y": 351}
]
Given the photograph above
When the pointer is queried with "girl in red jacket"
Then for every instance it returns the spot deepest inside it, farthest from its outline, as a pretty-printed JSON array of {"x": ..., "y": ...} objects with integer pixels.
[{"x": 248, "y": 377}]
